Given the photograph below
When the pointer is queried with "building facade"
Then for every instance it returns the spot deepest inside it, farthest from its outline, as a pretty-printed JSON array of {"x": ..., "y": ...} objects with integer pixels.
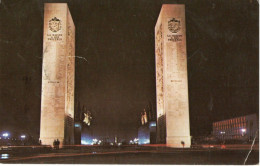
[{"x": 239, "y": 128}]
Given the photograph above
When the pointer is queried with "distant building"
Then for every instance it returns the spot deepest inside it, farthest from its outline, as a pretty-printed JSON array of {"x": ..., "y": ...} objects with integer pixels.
[{"x": 239, "y": 128}]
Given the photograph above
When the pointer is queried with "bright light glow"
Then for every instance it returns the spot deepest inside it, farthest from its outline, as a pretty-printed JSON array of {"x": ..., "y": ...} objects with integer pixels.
[
  {"x": 152, "y": 124},
  {"x": 147, "y": 141},
  {"x": 5, "y": 134},
  {"x": 144, "y": 141},
  {"x": 23, "y": 136},
  {"x": 94, "y": 141},
  {"x": 111, "y": 144},
  {"x": 86, "y": 140},
  {"x": 77, "y": 125},
  {"x": 4, "y": 156},
  {"x": 119, "y": 144},
  {"x": 243, "y": 130},
  {"x": 136, "y": 140},
  {"x": 83, "y": 142},
  {"x": 222, "y": 132}
]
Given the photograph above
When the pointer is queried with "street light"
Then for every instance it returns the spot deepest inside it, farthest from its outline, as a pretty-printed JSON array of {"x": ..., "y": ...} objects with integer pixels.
[
  {"x": 243, "y": 131},
  {"x": 222, "y": 134},
  {"x": 94, "y": 141},
  {"x": 99, "y": 142},
  {"x": 5, "y": 135},
  {"x": 136, "y": 140}
]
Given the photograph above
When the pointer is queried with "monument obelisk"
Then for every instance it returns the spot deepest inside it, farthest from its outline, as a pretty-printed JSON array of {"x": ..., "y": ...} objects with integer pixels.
[
  {"x": 173, "y": 127},
  {"x": 58, "y": 72}
]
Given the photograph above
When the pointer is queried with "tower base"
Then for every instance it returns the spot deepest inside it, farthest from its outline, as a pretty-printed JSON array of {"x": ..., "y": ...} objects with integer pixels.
[
  {"x": 177, "y": 141},
  {"x": 50, "y": 141}
]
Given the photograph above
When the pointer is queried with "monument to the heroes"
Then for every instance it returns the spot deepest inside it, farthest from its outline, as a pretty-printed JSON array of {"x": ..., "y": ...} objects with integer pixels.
[
  {"x": 173, "y": 127},
  {"x": 58, "y": 70},
  {"x": 57, "y": 102}
]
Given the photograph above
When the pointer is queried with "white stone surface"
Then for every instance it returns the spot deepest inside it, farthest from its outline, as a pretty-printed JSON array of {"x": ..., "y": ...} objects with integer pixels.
[
  {"x": 57, "y": 102},
  {"x": 171, "y": 77}
]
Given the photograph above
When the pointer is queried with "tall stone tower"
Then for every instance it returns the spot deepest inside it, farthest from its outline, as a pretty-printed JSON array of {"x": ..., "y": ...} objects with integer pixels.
[
  {"x": 58, "y": 72},
  {"x": 173, "y": 127}
]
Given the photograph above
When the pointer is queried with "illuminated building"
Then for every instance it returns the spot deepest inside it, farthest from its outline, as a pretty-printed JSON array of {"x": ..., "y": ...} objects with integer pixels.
[{"x": 239, "y": 128}]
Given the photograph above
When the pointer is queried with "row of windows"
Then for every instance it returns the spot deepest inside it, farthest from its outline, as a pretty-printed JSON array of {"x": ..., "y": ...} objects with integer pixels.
[
  {"x": 230, "y": 121},
  {"x": 238, "y": 125}
]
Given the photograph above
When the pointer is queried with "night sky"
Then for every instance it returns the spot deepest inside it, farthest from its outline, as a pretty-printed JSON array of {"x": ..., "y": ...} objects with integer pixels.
[{"x": 115, "y": 76}]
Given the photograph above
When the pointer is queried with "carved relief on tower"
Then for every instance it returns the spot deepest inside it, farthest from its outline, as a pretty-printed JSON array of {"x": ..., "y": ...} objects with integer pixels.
[
  {"x": 70, "y": 70},
  {"x": 159, "y": 67},
  {"x": 159, "y": 55}
]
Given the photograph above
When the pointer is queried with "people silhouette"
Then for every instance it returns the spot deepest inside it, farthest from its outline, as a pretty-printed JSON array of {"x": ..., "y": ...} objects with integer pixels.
[
  {"x": 58, "y": 143},
  {"x": 183, "y": 143}
]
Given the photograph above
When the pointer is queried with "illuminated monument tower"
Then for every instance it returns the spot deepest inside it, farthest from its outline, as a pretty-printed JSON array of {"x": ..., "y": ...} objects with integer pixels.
[
  {"x": 173, "y": 126},
  {"x": 58, "y": 69}
]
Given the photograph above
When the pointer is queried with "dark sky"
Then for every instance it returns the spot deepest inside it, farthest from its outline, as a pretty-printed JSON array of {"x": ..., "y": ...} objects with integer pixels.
[{"x": 116, "y": 78}]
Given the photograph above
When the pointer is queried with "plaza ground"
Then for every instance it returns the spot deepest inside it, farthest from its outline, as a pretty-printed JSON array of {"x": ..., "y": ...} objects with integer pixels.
[{"x": 136, "y": 155}]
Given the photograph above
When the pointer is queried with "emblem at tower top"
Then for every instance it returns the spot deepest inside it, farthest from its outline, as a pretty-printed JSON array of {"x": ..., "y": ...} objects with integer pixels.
[
  {"x": 55, "y": 24},
  {"x": 174, "y": 25}
]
